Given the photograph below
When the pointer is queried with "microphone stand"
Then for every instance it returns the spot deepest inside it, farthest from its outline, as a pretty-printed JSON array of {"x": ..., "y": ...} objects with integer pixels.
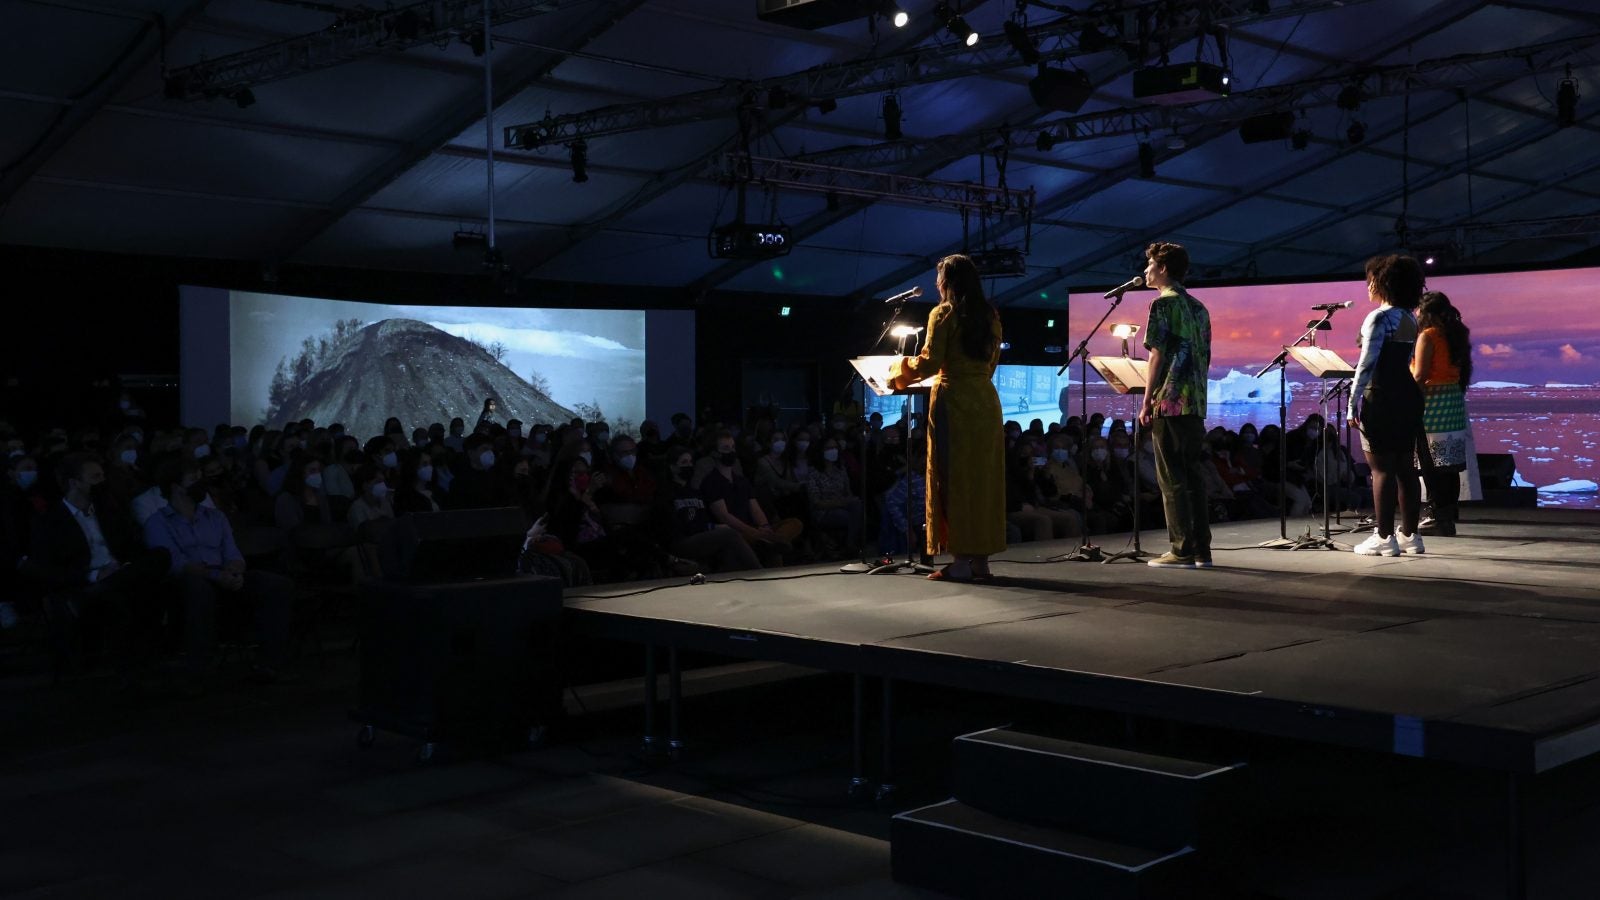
[
  {"x": 1281, "y": 361},
  {"x": 1082, "y": 353},
  {"x": 861, "y": 566}
]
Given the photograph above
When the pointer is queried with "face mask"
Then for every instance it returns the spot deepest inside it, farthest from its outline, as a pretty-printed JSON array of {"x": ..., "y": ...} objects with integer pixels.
[
  {"x": 1249, "y": 438},
  {"x": 627, "y": 462},
  {"x": 129, "y": 456},
  {"x": 202, "y": 451},
  {"x": 685, "y": 473},
  {"x": 390, "y": 460},
  {"x": 779, "y": 446},
  {"x": 380, "y": 490},
  {"x": 1012, "y": 434},
  {"x": 538, "y": 437},
  {"x": 1099, "y": 454},
  {"x": 1038, "y": 462},
  {"x": 1060, "y": 454},
  {"x": 802, "y": 445},
  {"x": 314, "y": 481},
  {"x": 26, "y": 478},
  {"x": 124, "y": 404},
  {"x": 727, "y": 457},
  {"x": 486, "y": 458},
  {"x": 421, "y": 442},
  {"x": 603, "y": 437},
  {"x": 586, "y": 456},
  {"x": 1120, "y": 453},
  {"x": 831, "y": 454},
  {"x": 425, "y": 473},
  {"x": 580, "y": 483},
  {"x": 16, "y": 453}
]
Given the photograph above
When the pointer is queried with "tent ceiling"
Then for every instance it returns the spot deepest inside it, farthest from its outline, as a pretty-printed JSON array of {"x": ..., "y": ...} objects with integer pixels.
[{"x": 377, "y": 161}]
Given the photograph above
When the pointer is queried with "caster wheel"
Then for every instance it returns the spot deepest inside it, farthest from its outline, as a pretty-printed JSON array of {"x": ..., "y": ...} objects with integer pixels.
[
  {"x": 885, "y": 796},
  {"x": 860, "y": 789},
  {"x": 425, "y": 753},
  {"x": 366, "y": 737}
]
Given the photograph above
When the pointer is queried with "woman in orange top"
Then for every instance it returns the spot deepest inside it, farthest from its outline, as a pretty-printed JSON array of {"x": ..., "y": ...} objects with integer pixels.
[
  {"x": 966, "y": 494},
  {"x": 1442, "y": 367}
]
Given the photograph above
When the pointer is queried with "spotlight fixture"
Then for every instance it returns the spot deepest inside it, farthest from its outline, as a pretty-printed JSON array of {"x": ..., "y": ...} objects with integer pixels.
[
  {"x": 892, "y": 11},
  {"x": 579, "y": 151},
  {"x": 1093, "y": 40},
  {"x": 1063, "y": 90},
  {"x": 1147, "y": 160},
  {"x": 406, "y": 26},
  {"x": 1301, "y": 139},
  {"x": 891, "y": 117},
  {"x": 1356, "y": 133},
  {"x": 474, "y": 39},
  {"x": 244, "y": 98},
  {"x": 955, "y": 24},
  {"x": 1045, "y": 142},
  {"x": 1567, "y": 100},
  {"x": 827, "y": 105},
  {"x": 1175, "y": 141},
  {"x": 778, "y": 98},
  {"x": 1022, "y": 42},
  {"x": 1349, "y": 98}
]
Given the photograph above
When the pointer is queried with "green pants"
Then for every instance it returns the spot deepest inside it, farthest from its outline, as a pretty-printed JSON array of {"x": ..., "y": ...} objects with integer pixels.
[{"x": 1178, "y": 441}]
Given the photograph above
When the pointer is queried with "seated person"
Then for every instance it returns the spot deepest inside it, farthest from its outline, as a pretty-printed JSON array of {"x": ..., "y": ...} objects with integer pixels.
[
  {"x": 688, "y": 529},
  {"x": 373, "y": 501},
  {"x": 775, "y": 479},
  {"x": 94, "y": 557},
  {"x": 834, "y": 507},
  {"x": 477, "y": 486},
  {"x": 575, "y": 518},
  {"x": 1070, "y": 492},
  {"x": 209, "y": 574},
  {"x": 1030, "y": 497},
  {"x": 905, "y": 505},
  {"x": 303, "y": 500},
  {"x": 728, "y": 494},
  {"x": 627, "y": 482},
  {"x": 419, "y": 491},
  {"x": 1112, "y": 508}
]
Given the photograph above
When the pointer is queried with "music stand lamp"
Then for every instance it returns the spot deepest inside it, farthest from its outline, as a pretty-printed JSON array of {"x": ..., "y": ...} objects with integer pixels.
[
  {"x": 1329, "y": 366},
  {"x": 874, "y": 371},
  {"x": 1126, "y": 376}
]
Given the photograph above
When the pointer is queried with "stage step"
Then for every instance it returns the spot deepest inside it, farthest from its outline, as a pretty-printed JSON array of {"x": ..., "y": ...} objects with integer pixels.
[
  {"x": 963, "y": 851},
  {"x": 1115, "y": 794}
]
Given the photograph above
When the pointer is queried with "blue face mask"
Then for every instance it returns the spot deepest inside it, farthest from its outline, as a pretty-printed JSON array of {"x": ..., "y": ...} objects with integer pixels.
[{"x": 26, "y": 478}]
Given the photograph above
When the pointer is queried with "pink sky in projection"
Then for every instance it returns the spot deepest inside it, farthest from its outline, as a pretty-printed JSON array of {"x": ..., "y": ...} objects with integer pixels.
[{"x": 1528, "y": 327}]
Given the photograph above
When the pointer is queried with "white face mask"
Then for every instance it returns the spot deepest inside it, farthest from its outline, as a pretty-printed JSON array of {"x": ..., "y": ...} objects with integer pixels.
[
  {"x": 1098, "y": 454},
  {"x": 390, "y": 460},
  {"x": 380, "y": 490},
  {"x": 586, "y": 456},
  {"x": 1039, "y": 461},
  {"x": 831, "y": 455},
  {"x": 314, "y": 481},
  {"x": 129, "y": 456},
  {"x": 208, "y": 503},
  {"x": 1120, "y": 453},
  {"x": 779, "y": 446},
  {"x": 603, "y": 437},
  {"x": 802, "y": 445},
  {"x": 1060, "y": 454},
  {"x": 627, "y": 462},
  {"x": 486, "y": 458},
  {"x": 202, "y": 451},
  {"x": 425, "y": 473}
]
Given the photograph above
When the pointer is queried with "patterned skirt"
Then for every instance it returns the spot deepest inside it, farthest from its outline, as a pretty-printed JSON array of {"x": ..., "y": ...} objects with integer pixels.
[{"x": 1444, "y": 418}]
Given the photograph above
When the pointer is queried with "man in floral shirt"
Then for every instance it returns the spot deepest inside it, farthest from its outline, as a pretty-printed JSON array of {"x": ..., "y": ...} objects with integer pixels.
[{"x": 1178, "y": 338}]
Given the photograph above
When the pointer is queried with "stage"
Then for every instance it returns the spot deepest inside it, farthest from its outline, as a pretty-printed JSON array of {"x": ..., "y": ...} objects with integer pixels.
[{"x": 1483, "y": 652}]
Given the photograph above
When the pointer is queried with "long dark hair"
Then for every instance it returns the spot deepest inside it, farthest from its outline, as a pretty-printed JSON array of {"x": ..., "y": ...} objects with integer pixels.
[
  {"x": 963, "y": 290},
  {"x": 1436, "y": 311}
]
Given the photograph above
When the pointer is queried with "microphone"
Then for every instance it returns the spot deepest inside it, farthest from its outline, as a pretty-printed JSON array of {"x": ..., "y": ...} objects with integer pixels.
[
  {"x": 1329, "y": 307},
  {"x": 1136, "y": 281},
  {"x": 903, "y": 296}
]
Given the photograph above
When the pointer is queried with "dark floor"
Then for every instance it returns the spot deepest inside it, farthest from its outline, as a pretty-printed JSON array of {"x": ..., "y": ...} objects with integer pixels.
[{"x": 252, "y": 791}]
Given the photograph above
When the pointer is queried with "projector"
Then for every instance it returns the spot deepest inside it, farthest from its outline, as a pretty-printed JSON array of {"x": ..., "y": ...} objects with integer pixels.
[
  {"x": 1008, "y": 263},
  {"x": 810, "y": 14},
  {"x": 740, "y": 240},
  {"x": 1186, "y": 83}
]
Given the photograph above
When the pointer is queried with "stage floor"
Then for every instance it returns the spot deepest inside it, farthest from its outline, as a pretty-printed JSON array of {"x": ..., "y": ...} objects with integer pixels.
[{"x": 1484, "y": 651}]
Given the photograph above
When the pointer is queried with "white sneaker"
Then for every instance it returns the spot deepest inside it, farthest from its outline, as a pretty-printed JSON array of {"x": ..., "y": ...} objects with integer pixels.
[
  {"x": 1411, "y": 544},
  {"x": 1378, "y": 546}
]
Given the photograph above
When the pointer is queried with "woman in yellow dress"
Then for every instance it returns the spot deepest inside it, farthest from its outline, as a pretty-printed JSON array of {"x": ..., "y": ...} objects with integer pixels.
[{"x": 966, "y": 495}]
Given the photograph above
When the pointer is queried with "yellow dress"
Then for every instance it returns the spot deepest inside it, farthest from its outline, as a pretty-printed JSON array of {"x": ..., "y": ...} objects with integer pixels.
[{"x": 966, "y": 496}]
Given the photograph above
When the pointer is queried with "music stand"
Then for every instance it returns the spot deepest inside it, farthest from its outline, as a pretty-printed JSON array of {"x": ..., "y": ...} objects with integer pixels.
[
  {"x": 1126, "y": 376},
  {"x": 874, "y": 372},
  {"x": 1327, "y": 365}
]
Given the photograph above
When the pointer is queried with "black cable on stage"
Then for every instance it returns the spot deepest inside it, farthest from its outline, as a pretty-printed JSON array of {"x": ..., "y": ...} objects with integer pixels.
[{"x": 663, "y": 587}]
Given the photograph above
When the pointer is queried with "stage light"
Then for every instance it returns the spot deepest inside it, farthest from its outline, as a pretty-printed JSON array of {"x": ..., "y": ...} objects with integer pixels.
[
  {"x": 1124, "y": 331},
  {"x": 1356, "y": 133},
  {"x": 1147, "y": 160},
  {"x": 1567, "y": 100},
  {"x": 1045, "y": 142},
  {"x": 891, "y": 117},
  {"x": 474, "y": 40},
  {"x": 783, "y": 310},
  {"x": 1429, "y": 260},
  {"x": 1050, "y": 323},
  {"x": 955, "y": 24},
  {"x": 827, "y": 105},
  {"x": 1301, "y": 139},
  {"x": 1349, "y": 98},
  {"x": 579, "y": 151},
  {"x": 1175, "y": 141},
  {"x": 1021, "y": 42},
  {"x": 1005, "y": 345},
  {"x": 1093, "y": 40},
  {"x": 900, "y": 17},
  {"x": 244, "y": 98}
]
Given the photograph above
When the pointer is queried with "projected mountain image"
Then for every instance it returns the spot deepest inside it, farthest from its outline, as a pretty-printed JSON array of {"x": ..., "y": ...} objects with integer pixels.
[{"x": 362, "y": 374}]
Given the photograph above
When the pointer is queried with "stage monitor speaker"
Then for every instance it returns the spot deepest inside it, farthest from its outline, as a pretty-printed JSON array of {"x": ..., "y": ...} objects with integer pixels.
[
  {"x": 1496, "y": 470},
  {"x": 1060, "y": 89},
  {"x": 453, "y": 545},
  {"x": 1268, "y": 127}
]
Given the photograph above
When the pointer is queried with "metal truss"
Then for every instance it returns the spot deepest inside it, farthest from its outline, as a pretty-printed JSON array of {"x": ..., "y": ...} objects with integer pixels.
[
  {"x": 738, "y": 168},
  {"x": 1450, "y": 73},
  {"x": 360, "y": 33},
  {"x": 1149, "y": 28},
  {"x": 1471, "y": 233}
]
